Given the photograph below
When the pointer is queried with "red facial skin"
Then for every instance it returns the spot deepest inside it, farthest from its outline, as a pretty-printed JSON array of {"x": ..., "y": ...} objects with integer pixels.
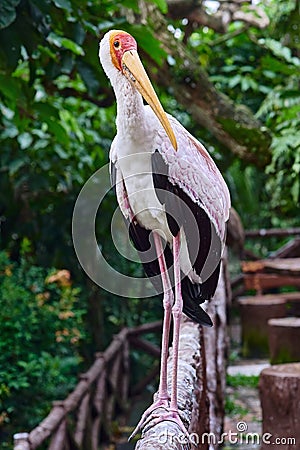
[{"x": 121, "y": 42}]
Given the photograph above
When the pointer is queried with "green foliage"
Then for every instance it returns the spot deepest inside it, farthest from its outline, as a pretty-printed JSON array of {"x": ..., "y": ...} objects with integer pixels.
[
  {"x": 242, "y": 380},
  {"x": 42, "y": 328},
  {"x": 8, "y": 12},
  {"x": 281, "y": 110},
  {"x": 233, "y": 408},
  {"x": 233, "y": 404},
  {"x": 258, "y": 69},
  {"x": 53, "y": 131}
]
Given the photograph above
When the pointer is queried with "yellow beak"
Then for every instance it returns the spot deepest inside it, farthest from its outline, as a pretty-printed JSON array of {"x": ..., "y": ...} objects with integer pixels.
[{"x": 133, "y": 70}]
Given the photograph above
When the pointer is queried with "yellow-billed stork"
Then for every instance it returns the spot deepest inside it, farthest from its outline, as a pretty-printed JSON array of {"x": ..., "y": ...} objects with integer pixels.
[{"x": 173, "y": 198}]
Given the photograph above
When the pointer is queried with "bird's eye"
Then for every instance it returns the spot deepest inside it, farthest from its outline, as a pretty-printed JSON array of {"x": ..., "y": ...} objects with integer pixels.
[{"x": 117, "y": 44}]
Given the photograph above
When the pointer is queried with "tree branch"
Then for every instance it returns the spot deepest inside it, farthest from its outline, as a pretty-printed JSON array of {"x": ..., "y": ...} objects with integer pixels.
[
  {"x": 228, "y": 12},
  {"x": 234, "y": 126}
]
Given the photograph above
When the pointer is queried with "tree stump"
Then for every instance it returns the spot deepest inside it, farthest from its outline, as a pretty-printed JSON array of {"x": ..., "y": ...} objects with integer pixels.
[
  {"x": 279, "y": 388},
  {"x": 255, "y": 313},
  {"x": 284, "y": 340},
  {"x": 292, "y": 303}
]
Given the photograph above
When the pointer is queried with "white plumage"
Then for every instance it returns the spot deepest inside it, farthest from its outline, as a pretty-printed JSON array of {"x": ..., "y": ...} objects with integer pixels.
[{"x": 146, "y": 135}]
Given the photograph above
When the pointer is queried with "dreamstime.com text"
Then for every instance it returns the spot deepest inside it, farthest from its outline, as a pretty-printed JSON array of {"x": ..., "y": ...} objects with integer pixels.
[{"x": 241, "y": 436}]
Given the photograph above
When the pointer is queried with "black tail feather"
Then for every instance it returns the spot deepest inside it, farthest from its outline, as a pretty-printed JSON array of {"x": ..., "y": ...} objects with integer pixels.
[{"x": 192, "y": 294}]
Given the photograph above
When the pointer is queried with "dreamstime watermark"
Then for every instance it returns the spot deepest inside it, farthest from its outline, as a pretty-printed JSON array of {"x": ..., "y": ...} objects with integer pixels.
[
  {"x": 239, "y": 437},
  {"x": 89, "y": 249}
]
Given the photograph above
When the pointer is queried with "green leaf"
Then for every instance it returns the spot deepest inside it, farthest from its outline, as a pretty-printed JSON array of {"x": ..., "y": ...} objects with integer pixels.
[
  {"x": 46, "y": 111},
  {"x": 245, "y": 84},
  {"x": 60, "y": 41},
  {"x": 10, "y": 87},
  {"x": 15, "y": 165},
  {"x": 7, "y": 12},
  {"x": 25, "y": 140},
  {"x": 234, "y": 81},
  {"x": 60, "y": 152},
  {"x": 270, "y": 63},
  {"x": 58, "y": 130},
  {"x": 295, "y": 191},
  {"x": 148, "y": 42},
  {"x": 10, "y": 131},
  {"x": 89, "y": 77},
  {"x": 63, "y": 4},
  {"x": 131, "y": 4},
  {"x": 7, "y": 112},
  {"x": 107, "y": 24},
  {"x": 162, "y": 4},
  {"x": 280, "y": 50}
]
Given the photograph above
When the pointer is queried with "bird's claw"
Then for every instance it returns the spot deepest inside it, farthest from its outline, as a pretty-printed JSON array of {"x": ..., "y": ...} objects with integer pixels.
[
  {"x": 148, "y": 415},
  {"x": 171, "y": 416}
]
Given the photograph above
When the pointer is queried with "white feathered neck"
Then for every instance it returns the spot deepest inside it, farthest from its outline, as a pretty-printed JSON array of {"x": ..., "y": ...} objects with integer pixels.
[{"x": 130, "y": 108}]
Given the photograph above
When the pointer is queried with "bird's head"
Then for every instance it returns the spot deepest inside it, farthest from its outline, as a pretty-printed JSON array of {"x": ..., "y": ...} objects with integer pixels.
[{"x": 118, "y": 54}]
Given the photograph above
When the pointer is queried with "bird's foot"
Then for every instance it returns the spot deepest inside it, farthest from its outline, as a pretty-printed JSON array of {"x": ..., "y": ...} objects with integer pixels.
[
  {"x": 154, "y": 418},
  {"x": 171, "y": 416},
  {"x": 148, "y": 414}
]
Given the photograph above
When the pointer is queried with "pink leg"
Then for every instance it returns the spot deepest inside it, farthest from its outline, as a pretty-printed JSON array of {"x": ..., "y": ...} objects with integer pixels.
[
  {"x": 177, "y": 314},
  {"x": 162, "y": 400},
  {"x": 172, "y": 414},
  {"x": 168, "y": 299},
  {"x": 167, "y": 303}
]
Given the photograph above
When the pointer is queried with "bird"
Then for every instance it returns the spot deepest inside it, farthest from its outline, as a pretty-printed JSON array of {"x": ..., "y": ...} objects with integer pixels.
[{"x": 174, "y": 200}]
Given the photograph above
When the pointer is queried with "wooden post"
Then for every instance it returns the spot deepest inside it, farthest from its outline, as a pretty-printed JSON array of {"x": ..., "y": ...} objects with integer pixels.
[
  {"x": 255, "y": 313},
  {"x": 113, "y": 397},
  {"x": 99, "y": 400},
  {"x": 59, "y": 439},
  {"x": 21, "y": 441},
  {"x": 292, "y": 303},
  {"x": 124, "y": 388},
  {"x": 284, "y": 340},
  {"x": 48, "y": 426},
  {"x": 279, "y": 388},
  {"x": 82, "y": 418}
]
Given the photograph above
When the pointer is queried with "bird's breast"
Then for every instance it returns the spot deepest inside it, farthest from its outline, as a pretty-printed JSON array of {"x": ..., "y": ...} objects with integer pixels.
[{"x": 136, "y": 173}]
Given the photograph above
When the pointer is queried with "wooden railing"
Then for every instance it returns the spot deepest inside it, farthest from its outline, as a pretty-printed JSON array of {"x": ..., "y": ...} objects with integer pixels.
[
  {"x": 264, "y": 281},
  {"x": 85, "y": 417}
]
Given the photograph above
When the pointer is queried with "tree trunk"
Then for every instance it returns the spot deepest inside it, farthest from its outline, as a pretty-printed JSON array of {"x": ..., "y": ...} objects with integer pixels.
[
  {"x": 234, "y": 126},
  {"x": 284, "y": 339},
  {"x": 279, "y": 388},
  {"x": 255, "y": 312}
]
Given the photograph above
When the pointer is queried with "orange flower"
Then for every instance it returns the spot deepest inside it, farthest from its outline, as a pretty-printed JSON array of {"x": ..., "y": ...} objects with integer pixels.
[
  {"x": 8, "y": 271},
  {"x": 65, "y": 315},
  {"x": 62, "y": 277},
  {"x": 42, "y": 297}
]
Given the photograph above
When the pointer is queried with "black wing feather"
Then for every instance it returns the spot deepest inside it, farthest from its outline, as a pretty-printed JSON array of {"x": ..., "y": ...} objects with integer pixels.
[
  {"x": 143, "y": 242},
  {"x": 174, "y": 199},
  {"x": 206, "y": 257}
]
